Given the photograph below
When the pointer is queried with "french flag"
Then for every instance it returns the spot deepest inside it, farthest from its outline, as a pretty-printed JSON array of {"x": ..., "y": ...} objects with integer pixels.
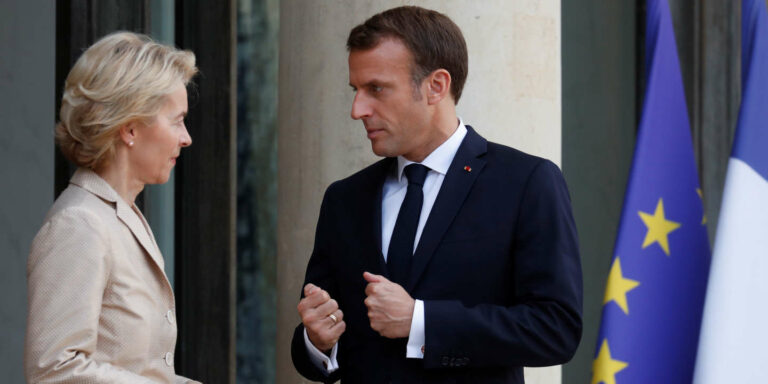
[{"x": 734, "y": 332}]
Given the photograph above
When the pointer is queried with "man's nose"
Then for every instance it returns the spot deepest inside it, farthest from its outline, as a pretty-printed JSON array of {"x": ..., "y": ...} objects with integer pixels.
[{"x": 360, "y": 107}]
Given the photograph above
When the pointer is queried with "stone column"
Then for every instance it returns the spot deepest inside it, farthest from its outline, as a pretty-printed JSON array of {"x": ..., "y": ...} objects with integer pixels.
[{"x": 512, "y": 97}]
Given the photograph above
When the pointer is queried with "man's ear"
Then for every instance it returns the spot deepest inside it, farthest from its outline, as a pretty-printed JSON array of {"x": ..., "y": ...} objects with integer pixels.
[{"x": 438, "y": 86}]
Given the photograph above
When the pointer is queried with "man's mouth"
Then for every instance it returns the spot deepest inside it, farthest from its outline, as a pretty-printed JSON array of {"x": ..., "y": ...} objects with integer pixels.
[{"x": 374, "y": 132}]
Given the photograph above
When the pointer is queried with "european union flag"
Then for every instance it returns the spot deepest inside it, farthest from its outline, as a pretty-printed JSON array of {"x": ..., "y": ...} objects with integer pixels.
[{"x": 657, "y": 281}]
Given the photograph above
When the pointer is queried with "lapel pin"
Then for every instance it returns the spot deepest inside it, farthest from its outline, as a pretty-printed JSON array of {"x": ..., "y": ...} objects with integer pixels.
[{"x": 468, "y": 168}]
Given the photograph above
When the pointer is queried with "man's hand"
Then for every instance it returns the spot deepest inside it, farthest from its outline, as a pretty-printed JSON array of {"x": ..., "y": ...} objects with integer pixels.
[
  {"x": 390, "y": 307},
  {"x": 315, "y": 310}
]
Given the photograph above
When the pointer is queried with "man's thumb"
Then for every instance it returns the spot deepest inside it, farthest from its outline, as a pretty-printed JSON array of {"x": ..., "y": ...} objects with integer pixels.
[{"x": 371, "y": 278}]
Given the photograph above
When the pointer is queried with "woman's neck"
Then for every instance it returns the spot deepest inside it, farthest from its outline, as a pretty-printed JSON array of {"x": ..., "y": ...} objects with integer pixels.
[{"x": 119, "y": 177}]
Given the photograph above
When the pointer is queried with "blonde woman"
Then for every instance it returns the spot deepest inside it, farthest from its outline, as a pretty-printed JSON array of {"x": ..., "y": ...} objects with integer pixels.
[{"x": 101, "y": 309}]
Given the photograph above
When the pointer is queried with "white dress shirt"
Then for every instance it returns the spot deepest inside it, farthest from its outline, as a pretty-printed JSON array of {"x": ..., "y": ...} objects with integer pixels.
[{"x": 393, "y": 194}]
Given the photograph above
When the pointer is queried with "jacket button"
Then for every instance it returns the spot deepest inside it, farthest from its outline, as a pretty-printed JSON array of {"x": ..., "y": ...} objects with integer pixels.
[
  {"x": 169, "y": 359},
  {"x": 169, "y": 316}
]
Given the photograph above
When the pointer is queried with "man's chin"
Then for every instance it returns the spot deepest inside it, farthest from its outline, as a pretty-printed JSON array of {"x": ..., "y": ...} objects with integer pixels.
[{"x": 382, "y": 152}]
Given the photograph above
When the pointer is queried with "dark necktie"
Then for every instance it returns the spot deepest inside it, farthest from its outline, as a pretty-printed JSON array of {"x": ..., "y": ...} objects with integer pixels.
[{"x": 401, "y": 246}]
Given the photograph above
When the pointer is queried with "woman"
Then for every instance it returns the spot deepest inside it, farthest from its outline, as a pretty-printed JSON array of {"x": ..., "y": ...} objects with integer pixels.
[{"x": 101, "y": 309}]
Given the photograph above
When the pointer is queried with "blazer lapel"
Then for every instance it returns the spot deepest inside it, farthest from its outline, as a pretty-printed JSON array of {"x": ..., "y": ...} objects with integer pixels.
[
  {"x": 456, "y": 186},
  {"x": 371, "y": 214},
  {"x": 93, "y": 183},
  {"x": 134, "y": 223}
]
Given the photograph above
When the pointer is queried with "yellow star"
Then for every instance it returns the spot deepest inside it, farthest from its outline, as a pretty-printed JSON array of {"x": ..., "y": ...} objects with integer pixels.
[
  {"x": 658, "y": 227},
  {"x": 604, "y": 368},
  {"x": 618, "y": 286},
  {"x": 701, "y": 196}
]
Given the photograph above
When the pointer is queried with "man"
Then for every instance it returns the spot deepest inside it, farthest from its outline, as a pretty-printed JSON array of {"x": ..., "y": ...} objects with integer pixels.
[{"x": 451, "y": 260}]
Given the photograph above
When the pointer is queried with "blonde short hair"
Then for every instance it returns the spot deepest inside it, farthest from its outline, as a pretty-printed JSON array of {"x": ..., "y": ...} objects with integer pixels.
[{"x": 123, "y": 77}]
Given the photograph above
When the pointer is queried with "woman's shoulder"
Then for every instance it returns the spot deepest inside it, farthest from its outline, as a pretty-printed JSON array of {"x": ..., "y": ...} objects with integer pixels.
[
  {"x": 75, "y": 201},
  {"x": 76, "y": 216}
]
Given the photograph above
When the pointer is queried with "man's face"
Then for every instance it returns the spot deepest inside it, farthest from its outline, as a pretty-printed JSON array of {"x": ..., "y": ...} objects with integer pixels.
[{"x": 394, "y": 111}]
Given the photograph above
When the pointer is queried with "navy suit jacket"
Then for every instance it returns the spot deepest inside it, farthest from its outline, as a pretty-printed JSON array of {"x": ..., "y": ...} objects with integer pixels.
[{"x": 497, "y": 267}]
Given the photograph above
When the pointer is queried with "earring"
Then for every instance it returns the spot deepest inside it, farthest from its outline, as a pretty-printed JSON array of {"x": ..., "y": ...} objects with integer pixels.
[{"x": 130, "y": 143}]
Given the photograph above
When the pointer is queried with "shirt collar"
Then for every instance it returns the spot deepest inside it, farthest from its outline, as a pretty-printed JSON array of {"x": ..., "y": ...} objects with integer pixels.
[{"x": 440, "y": 159}]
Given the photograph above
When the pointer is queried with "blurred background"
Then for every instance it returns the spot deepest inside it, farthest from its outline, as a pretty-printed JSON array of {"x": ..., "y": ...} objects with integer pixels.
[{"x": 269, "y": 120}]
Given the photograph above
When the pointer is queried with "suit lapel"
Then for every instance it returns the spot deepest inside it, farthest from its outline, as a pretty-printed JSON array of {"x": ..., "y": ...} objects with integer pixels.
[
  {"x": 456, "y": 186},
  {"x": 373, "y": 186}
]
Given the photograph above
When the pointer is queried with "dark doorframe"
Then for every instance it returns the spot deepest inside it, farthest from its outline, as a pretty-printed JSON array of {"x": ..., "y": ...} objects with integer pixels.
[{"x": 206, "y": 197}]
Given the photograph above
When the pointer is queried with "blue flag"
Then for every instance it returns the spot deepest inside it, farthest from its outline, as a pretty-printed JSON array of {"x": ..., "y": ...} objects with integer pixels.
[
  {"x": 656, "y": 286},
  {"x": 733, "y": 333}
]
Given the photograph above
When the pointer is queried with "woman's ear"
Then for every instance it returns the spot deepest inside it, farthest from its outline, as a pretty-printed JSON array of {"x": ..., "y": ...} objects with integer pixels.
[
  {"x": 439, "y": 86},
  {"x": 128, "y": 133}
]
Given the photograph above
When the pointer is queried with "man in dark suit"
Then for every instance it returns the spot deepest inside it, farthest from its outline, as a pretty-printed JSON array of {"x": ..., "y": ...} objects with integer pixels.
[{"x": 452, "y": 260}]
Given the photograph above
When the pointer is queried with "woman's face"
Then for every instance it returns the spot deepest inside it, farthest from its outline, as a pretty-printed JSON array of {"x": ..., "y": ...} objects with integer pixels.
[{"x": 157, "y": 145}]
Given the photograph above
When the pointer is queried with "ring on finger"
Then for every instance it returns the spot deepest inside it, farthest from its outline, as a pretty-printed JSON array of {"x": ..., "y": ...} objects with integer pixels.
[{"x": 334, "y": 318}]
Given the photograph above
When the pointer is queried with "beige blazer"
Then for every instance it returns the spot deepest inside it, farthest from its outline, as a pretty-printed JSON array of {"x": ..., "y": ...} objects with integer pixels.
[{"x": 101, "y": 309}]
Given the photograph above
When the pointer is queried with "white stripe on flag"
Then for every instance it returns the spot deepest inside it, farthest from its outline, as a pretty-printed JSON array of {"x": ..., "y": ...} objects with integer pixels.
[{"x": 734, "y": 332}]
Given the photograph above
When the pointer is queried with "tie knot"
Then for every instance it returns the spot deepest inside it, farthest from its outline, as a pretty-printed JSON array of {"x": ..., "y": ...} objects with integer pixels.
[{"x": 416, "y": 173}]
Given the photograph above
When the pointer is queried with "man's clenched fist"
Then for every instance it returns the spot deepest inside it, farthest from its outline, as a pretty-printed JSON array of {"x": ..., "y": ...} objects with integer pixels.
[
  {"x": 390, "y": 307},
  {"x": 321, "y": 317}
]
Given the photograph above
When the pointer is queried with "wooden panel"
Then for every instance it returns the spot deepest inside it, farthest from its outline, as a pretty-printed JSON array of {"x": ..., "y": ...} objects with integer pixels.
[{"x": 205, "y": 197}]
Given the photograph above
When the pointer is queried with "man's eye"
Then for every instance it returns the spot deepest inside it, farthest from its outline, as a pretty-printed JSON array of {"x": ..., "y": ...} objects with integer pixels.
[{"x": 376, "y": 88}]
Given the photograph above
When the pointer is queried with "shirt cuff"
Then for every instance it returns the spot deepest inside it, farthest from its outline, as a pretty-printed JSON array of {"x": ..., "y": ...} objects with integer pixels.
[
  {"x": 320, "y": 359},
  {"x": 415, "y": 349}
]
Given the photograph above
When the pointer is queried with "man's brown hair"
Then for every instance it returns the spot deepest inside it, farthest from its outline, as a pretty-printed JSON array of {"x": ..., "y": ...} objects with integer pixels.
[{"x": 432, "y": 38}]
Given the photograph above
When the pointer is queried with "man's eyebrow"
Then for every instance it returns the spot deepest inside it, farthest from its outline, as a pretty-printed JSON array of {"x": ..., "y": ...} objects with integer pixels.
[{"x": 372, "y": 83}]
